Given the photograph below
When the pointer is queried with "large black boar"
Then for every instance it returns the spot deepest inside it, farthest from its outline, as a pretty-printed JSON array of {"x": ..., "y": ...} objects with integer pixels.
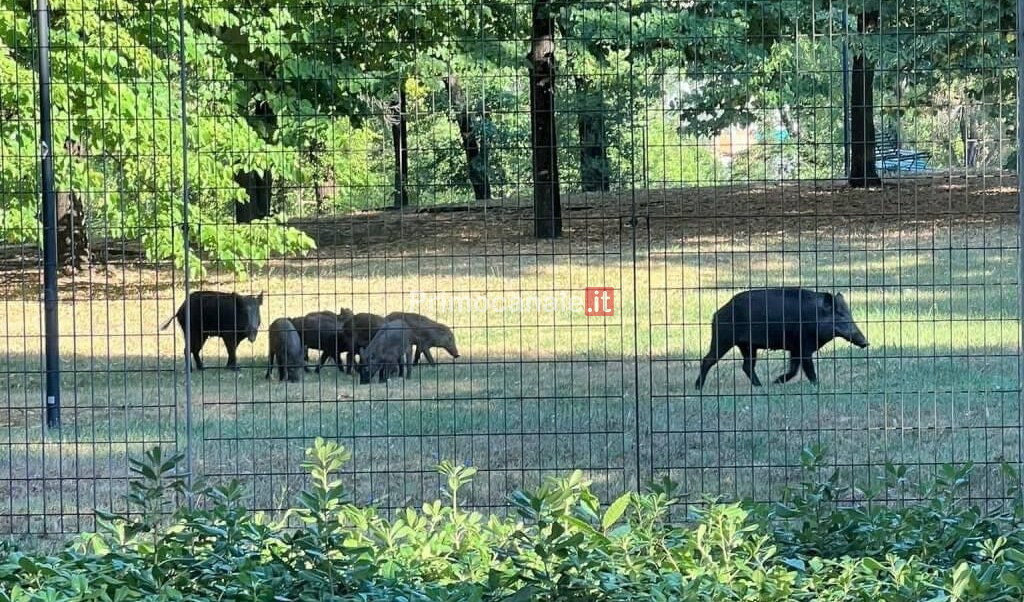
[
  {"x": 798, "y": 320},
  {"x": 360, "y": 329},
  {"x": 390, "y": 351},
  {"x": 285, "y": 350},
  {"x": 324, "y": 331},
  {"x": 230, "y": 316},
  {"x": 426, "y": 334}
]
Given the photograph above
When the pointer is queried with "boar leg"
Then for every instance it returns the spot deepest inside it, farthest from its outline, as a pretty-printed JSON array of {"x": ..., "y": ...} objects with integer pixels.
[
  {"x": 794, "y": 367},
  {"x": 808, "y": 365},
  {"x": 232, "y": 344},
  {"x": 197, "y": 346},
  {"x": 715, "y": 353},
  {"x": 749, "y": 363}
]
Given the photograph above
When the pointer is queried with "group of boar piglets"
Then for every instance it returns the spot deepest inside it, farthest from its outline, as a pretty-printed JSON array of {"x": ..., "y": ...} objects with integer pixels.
[
  {"x": 384, "y": 345},
  {"x": 798, "y": 320}
]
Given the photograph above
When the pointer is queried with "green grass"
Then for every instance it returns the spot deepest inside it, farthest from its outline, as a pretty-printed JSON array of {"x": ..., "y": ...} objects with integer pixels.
[{"x": 542, "y": 393}]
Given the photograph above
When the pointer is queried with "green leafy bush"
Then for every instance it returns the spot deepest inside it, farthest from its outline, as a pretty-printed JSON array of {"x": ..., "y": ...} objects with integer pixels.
[{"x": 563, "y": 544}]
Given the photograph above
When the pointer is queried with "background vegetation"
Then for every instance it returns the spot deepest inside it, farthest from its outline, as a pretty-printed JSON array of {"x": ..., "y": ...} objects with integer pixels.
[{"x": 291, "y": 109}]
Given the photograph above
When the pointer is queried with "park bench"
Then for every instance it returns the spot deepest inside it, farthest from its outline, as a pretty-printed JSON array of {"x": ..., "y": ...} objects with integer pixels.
[{"x": 889, "y": 157}]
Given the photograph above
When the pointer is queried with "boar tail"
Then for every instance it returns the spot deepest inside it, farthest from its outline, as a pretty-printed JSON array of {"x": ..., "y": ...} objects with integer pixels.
[{"x": 168, "y": 322}]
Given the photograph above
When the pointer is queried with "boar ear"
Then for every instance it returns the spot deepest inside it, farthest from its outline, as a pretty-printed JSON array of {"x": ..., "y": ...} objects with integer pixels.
[
  {"x": 826, "y": 300},
  {"x": 259, "y": 299}
]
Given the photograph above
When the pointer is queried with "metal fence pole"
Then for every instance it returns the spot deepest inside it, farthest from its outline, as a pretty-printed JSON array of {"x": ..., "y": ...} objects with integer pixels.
[
  {"x": 846, "y": 97},
  {"x": 49, "y": 200},
  {"x": 1020, "y": 219},
  {"x": 185, "y": 192}
]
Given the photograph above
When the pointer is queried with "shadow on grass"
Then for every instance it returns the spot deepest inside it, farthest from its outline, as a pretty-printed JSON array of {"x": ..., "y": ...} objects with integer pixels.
[{"x": 620, "y": 419}]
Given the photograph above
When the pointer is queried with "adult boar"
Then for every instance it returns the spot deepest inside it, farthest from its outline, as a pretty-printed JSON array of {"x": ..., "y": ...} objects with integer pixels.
[
  {"x": 800, "y": 321},
  {"x": 230, "y": 316}
]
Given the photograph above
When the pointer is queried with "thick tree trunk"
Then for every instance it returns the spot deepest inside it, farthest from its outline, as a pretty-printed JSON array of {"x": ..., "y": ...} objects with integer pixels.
[
  {"x": 259, "y": 189},
  {"x": 473, "y": 143},
  {"x": 595, "y": 168},
  {"x": 73, "y": 252},
  {"x": 397, "y": 119},
  {"x": 72, "y": 238},
  {"x": 863, "y": 172},
  {"x": 547, "y": 204}
]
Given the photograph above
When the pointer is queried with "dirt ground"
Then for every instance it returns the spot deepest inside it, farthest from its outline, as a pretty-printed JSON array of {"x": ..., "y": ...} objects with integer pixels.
[{"x": 644, "y": 220}]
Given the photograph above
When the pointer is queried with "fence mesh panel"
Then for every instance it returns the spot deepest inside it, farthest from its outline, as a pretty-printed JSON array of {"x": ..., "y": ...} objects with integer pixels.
[{"x": 419, "y": 156}]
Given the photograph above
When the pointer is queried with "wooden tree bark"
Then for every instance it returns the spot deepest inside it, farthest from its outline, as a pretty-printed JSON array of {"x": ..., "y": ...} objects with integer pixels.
[
  {"x": 397, "y": 119},
  {"x": 473, "y": 143},
  {"x": 547, "y": 204},
  {"x": 73, "y": 253},
  {"x": 595, "y": 169},
  {"x": 863, "y": 172},
  {"x": 969, "y": 134},
  {"x": 325, "y": 186}
]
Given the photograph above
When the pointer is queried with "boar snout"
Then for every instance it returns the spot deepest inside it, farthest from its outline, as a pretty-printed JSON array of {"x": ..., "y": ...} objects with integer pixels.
[{"x": 857, "y": 338}]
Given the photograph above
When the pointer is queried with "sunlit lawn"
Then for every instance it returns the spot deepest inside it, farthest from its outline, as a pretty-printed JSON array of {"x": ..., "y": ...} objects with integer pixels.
[{"x": 538, "y": 393}]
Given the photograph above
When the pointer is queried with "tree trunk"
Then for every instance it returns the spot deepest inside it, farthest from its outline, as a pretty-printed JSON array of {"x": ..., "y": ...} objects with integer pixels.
[
  {"x": 969, "y": 136},
  {"x": 862, "y": 113},
  {"x": 473, "y": 142},
  {"x": 400, "y": 141},
  {"x": 324, "y": 183},
  {"x": 73, "y": 252},
  {"x": 259, "y": 188},
  {"x": 324, "y": 190},
  {"x": 595, "y": 168},
  {"x": 547, "y": 204},
  {"x": 72, "y": 238}
]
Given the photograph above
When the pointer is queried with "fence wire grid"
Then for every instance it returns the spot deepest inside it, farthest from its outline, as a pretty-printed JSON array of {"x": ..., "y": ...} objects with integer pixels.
[{"x": 574, "y": 188}]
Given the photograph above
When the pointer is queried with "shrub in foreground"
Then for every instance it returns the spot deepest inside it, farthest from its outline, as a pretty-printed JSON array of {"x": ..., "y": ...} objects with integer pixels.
[{"x": 563, "y": 545}]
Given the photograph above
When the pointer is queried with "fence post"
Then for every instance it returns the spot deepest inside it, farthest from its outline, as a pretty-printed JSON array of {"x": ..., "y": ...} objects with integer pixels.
[
  {"x": 49, "y": 212},
  {"x": 1020, "y": 222},
  {"x": 846, "y": 97},
  {"x": 185, "y": 192}
]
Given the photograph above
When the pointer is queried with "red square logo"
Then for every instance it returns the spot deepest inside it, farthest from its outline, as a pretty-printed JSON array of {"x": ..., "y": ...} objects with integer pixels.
[{"x": 599, "y": 301}]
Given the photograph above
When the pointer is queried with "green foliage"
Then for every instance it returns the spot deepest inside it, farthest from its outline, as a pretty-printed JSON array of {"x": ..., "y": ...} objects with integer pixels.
[
  {"x": 674, "y": 161},
  {"x": 298, "y": 90},
  {"x": 564, "y": 545},
  {"x": 117, "y": 92}
]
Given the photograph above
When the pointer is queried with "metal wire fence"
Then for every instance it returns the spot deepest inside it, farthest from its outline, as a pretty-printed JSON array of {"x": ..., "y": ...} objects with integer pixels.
[{"x": 572, "y": 188}]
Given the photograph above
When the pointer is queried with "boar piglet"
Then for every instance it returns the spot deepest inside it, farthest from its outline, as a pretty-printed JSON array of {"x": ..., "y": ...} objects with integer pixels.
[
  {"x": 285, "y": 350},
  {"x": 325, "y": 332},
  {"x": 426, "y": 334},
  {"x": 389, "y": 352},
  {"x": 360, "y": 330}
]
